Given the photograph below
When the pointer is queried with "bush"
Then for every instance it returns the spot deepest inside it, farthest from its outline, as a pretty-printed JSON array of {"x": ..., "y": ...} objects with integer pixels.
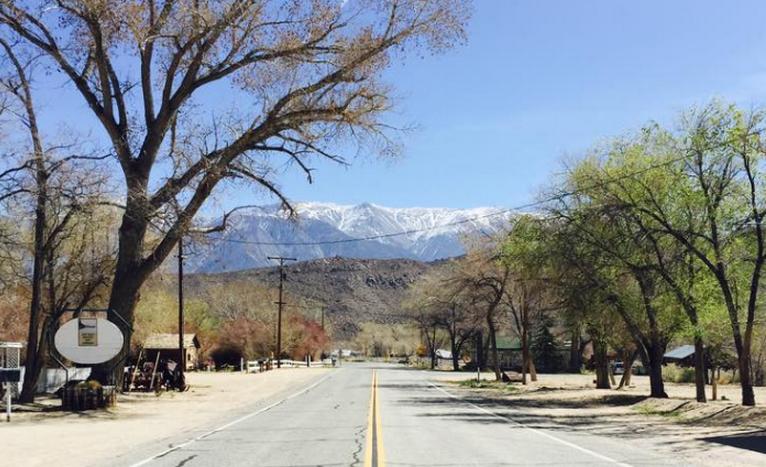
[
  {"x": 676, "y": 374},
  {"x": 728, "y": 377},
  {"x": 90, "y": 384},
  {"x": 487, "y": 384}
]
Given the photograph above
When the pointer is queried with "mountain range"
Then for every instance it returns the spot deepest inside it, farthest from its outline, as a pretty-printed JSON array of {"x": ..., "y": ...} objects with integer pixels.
[
  {"x": 324, "y": 230},
  {"x": 350, "y": 291}
]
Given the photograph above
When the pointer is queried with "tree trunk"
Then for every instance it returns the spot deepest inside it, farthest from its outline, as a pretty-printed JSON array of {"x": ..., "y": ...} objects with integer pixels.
[
  {"x": 33, "y": 361},
  {"x": 743, "y": 347},
  {"x": 493, "y": 344},
  {"x": 524, "y": 355},
  {"x": 575, "y": 357},
  {"x": 602, "y": 365},
  {"x": 480, "y": 351},
  {"x": 656, "y": 384},
  {"x": 745, "y": 379},
  {"x": 714, "y": 382},
  {"x": 532, "y": 369},
  {"x": 454, "y": 350},
  {"x": 128, "y": 279},
  {"x": 628, "y": 358},
  {"x": 699, "y": 368},
  {"x": 33, "y": 364}
]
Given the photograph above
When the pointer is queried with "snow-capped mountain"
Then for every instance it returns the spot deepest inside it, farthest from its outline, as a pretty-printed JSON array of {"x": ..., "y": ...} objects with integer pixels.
[{"x": 431, "y": 233}]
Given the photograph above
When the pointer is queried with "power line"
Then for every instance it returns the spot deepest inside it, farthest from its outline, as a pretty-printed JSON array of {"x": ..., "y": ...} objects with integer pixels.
[
  {"x": 370, "y": 237},
  {"x": 521, "y": 207}
]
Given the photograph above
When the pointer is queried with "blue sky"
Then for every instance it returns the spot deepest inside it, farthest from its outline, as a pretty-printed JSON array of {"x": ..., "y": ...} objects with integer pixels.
[
  {"x": 538, "y": 82},
  {"x": 541, "y": 81}
]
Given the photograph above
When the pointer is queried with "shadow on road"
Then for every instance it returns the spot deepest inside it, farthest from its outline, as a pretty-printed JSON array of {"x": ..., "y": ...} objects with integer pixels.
[
  {"x": 609, "y": 416},
  {"x": 753, "y": 441}
]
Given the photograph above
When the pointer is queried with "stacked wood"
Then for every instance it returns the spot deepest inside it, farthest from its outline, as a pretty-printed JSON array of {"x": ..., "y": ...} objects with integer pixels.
[{"x": 88, "y": 396}]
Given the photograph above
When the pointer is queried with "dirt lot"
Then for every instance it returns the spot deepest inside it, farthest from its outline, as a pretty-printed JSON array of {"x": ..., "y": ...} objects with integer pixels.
[
  {"x": 716, "y": 433},
  {"x": 88, "y": 437}
]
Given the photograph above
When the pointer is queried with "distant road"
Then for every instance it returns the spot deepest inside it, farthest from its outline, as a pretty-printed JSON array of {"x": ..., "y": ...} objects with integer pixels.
[{"x": 365, "y": 415}]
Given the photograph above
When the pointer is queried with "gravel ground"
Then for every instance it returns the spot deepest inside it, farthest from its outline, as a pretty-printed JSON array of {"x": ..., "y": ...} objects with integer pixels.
[{"x": 63, "y": 439}]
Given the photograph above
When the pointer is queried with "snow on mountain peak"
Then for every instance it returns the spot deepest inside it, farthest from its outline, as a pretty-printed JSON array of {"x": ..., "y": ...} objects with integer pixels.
[{"x": 328, "y": 229}]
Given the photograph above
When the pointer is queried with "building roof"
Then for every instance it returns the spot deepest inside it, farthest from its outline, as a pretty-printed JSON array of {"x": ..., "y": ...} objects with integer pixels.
[
  {"x": 680, "y": 353},
  {"x": 508, "y": 343},
  {"x": 169, "y": 341},
  {"x": 443, "y": 353}
]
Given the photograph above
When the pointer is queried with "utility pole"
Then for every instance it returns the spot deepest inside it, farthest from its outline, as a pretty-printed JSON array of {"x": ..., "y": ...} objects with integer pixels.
[
  {"x": 322, "y": 318},
  {"x": 280, "y": 303},
  {"x": 181, "y": 349}
]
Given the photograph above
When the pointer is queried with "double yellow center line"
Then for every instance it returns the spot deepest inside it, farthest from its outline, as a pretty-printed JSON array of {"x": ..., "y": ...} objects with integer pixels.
[{"x": 373, "y": 453}]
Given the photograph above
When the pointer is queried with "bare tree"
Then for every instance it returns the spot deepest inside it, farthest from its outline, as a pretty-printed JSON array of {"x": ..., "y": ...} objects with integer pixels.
[
  {"x": 523, "y": 299},
  {"x": 304, "y": 75},
  {"x": 63, "y": 193},
  {"x": 484, "y": 279},
  {"x": 440, "y": 302}
]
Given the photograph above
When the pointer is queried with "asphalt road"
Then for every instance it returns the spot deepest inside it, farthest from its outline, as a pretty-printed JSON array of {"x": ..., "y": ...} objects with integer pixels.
[{"x": 365, "y": 415}]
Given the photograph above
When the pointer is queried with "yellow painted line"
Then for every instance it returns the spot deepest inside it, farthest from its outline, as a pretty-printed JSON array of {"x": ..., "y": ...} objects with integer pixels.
[
  {"x": 370, "y": 423},
  {"x": 373, "y": 453}
]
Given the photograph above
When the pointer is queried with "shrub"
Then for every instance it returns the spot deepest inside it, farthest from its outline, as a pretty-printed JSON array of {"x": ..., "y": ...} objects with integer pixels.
[{"x": 677, "y": 374}]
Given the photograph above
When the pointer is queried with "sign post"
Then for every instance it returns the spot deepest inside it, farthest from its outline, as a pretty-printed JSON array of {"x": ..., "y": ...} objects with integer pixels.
[
  {"x": 10, "y": 371},
  {"x": 87, "y": 341}
]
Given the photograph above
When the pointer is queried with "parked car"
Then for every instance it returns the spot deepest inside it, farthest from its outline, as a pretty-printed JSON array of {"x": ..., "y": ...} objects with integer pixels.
[{"x": 638, "y": 368}]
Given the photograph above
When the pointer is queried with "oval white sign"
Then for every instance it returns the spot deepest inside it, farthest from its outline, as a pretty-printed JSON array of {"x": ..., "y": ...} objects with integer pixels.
[{"x": 89, "y": 340}]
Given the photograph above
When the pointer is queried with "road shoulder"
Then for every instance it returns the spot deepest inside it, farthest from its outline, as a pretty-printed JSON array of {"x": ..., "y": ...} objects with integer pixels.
[
  {"x": 676, "y": 428},
  {"x": 145, "y": 424}
]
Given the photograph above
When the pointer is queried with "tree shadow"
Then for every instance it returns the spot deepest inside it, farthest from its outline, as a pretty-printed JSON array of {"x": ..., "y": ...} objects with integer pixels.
[
  {"x": 752, "y": 441},
  {"x": 563, "y": 415}
]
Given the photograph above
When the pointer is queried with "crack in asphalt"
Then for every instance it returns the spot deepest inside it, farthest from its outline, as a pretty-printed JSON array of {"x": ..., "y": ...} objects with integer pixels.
[
  {"x": 359, "y": 442},
  {"x": 181, "y": 464}
]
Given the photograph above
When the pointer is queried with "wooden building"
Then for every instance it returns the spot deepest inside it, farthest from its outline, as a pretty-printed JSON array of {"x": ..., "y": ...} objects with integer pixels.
[{"x": 166, "y": 345}]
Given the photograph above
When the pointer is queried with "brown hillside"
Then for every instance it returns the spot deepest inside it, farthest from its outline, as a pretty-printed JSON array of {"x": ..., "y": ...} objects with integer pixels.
[{"x": 352, "y": 291}]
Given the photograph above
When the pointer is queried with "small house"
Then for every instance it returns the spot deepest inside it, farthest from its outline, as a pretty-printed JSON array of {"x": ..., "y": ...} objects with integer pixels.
[
  {"x": 682, "y": 356},
  {"x": 508, "y": 353},
  {"x": 166, "y": 347}
]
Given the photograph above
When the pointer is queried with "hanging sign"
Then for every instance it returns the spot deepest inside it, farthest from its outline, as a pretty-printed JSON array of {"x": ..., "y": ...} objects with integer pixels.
[{"x": 88, "y": 340}]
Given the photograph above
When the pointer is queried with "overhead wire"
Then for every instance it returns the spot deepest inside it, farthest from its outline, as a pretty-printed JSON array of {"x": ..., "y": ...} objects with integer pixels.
[{"x": 507, "y": 211}]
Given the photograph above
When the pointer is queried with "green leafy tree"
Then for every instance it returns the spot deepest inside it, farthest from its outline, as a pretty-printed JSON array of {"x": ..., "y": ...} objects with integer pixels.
[{"x": 714, "y": 210}]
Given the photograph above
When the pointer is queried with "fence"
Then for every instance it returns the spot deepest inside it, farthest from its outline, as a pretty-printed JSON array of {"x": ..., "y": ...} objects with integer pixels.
[{"x": 256, "y": 366}]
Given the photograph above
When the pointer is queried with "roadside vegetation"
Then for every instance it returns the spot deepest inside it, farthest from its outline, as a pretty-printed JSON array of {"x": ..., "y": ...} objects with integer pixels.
[
  {"x": 487, "y": 384},
  {"x": 149, "y": 147},
  {"x": 653, "y": 239}
]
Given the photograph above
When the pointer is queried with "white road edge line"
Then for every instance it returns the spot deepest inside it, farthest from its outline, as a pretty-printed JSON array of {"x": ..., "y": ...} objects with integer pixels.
[
  {"x": 232, "y": 423},
  {"x": 534, "y": 430}
]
